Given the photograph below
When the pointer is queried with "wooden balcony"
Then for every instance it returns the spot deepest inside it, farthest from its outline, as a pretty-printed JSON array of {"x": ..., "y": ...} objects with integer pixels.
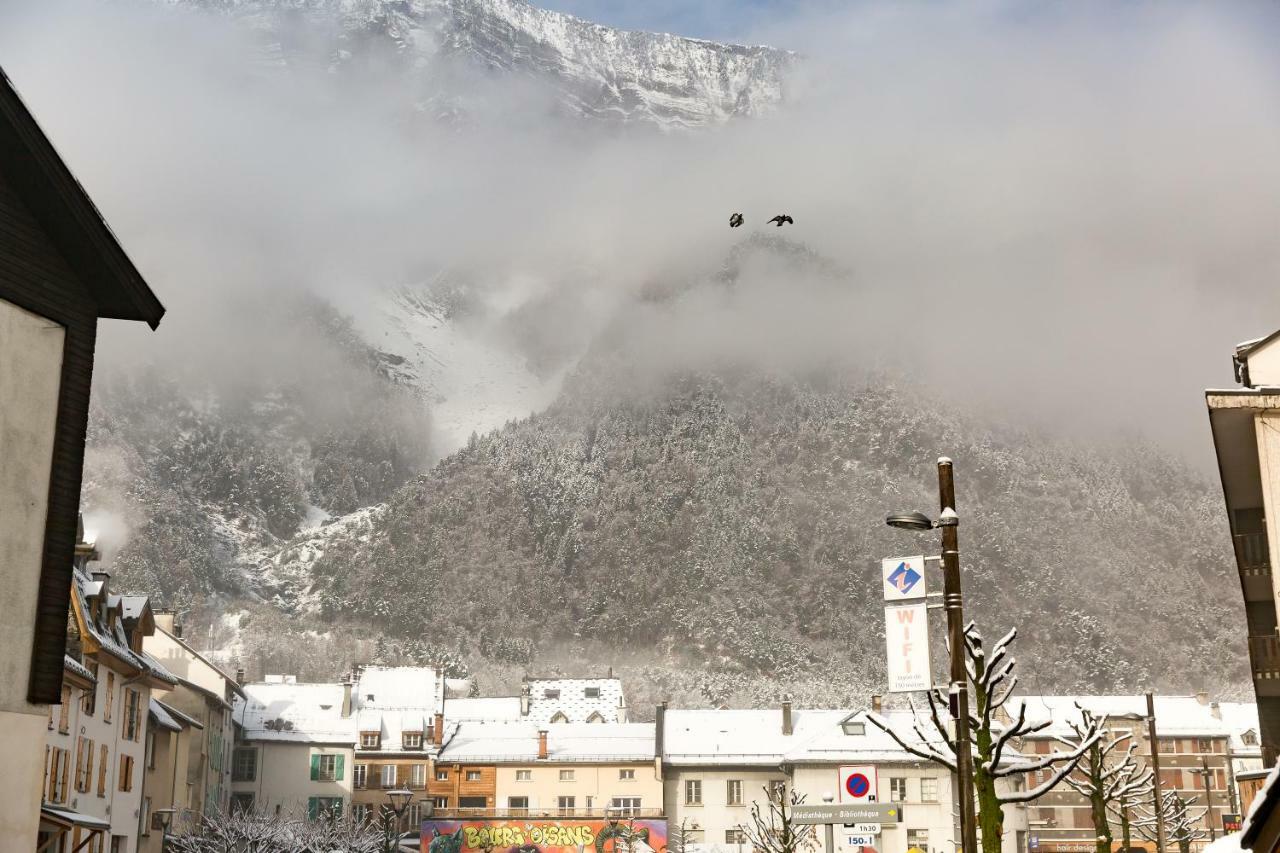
[{"x": 1253, "y": 558}]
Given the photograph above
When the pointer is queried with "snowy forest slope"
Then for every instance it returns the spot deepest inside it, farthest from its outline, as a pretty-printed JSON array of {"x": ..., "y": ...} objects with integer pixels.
[{"x": 734, "y": 525}]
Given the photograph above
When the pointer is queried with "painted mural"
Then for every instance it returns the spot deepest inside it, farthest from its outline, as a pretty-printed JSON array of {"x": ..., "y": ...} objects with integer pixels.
[{"x": 544, "y": 835}]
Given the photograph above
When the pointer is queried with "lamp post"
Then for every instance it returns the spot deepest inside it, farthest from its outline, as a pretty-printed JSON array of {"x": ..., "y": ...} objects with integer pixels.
[
  {"x": 1206, "y": 776},
  {"x": 163, "y": 817},
  {"x": 828, "y": 798},
  {"x": 397, "y": 803},
  {"x": 949, "y": 522}
]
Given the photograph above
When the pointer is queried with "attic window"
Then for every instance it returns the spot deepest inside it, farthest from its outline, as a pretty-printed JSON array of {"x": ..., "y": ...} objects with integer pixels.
[
  {"x": 325, "y": 707},
  {"x": 854, "y": 727},
  {"x": 370, "y": 740},
  {"x": 559, "y": 717},
  {"x": 368, "y": 697},
  {"x": 1249, "y": 738},
  {"x": 550, "y": 694},
  {"x": 591, "y": 692}
]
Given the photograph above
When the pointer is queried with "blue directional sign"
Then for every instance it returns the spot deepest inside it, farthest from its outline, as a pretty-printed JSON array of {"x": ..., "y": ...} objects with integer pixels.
[{"x": 903, "y": 578}]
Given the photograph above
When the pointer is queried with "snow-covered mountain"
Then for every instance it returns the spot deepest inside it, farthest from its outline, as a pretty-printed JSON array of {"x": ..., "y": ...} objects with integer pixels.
[{"x": 590, "y": 70}]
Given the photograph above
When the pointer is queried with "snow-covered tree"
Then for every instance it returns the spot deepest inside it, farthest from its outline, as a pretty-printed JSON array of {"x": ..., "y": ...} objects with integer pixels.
[
  {"x": 1108, "y": 776},
  {"x": 991, "y": 684},
  {"x": 1181, "y": 820},
  {"x": 258, "y": 831},
  {"x": 773, "y": 829}
]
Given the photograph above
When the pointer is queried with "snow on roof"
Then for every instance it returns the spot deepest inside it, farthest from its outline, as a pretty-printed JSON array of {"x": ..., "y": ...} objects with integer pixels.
[
  {"x": 1176, "y": 716},
  {"x": 483, "y": 708},
  {"x": 576, "y": 699},
  {"x": 131, "y": 606},
  {"x": 399, "y": 687},
  {"x": 304, "y": 713},
  {"x": 861, "y": 740},
  {"x": 1239, "y": 718},
  {"x": 78, "y": 668},
  {"x": 111, "y": 637},
  {"x": 517, "y": 741},
  {"x": 734, "y": 737},
  {"x": 180, "y": 716},
  {"x": 162, "y": 718}
]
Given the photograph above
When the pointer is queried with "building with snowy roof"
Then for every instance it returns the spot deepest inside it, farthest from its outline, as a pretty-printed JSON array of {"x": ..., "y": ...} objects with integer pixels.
[
  {"x": 526, "y": 768},
  {"x": 96, "y": 742},
  {"x": 1193, "y": 739},
  {"x": 573, "y": 700},
  {"x": 719, "y": 764}
]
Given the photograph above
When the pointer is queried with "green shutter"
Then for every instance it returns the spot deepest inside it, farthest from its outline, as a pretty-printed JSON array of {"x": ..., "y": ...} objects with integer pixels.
[
  {"x": 315, "y": 767},
  {"x": 313, "y": 803},
  {"x": 337, "y": 773}
]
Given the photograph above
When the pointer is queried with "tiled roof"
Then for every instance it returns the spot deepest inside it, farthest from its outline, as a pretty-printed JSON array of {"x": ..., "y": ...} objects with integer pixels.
[
  {"x": 160, "y": 714},
  {"x": 516, "y": 741},
  {"x": 1176, "y": 716},
  {"x": 549, "y": 697},
  {"x": 304, "y": 713},
  {"x": 112, "y": 637},
  {"x": 78, "y": 668},
  {"x": 179, "y": 716}
]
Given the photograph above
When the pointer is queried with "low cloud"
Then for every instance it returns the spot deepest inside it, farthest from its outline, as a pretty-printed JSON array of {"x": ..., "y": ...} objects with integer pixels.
[{"x": 1061, "y": 215}]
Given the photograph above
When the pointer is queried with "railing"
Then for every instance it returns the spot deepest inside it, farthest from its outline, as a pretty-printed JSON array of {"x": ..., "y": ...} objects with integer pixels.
[
  {"x": 549, "y": 812},
  {"x": 1264, "y": 651},
  {"x": 1252, "y": 552}
]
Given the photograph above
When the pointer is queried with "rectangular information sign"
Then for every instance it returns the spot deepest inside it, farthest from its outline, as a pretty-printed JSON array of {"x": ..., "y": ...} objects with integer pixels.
[
  {"x": 903, "y": 578},
  {"x": 906, "y": 637},
  {"x": 847, "y": 813}
]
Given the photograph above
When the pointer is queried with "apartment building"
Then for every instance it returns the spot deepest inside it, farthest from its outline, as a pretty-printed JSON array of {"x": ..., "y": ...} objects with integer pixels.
[
  {"x": 718, "y": 764},
  {"x": 400, "y": 728},
  {"x": 296, "y": 747},
  {"x": 97, "y": 745},
  {"x": 1192, "y": 739},
  {"x": 61, "y": 269},
  {"x": 204, "y": 693},
  {"x": 1245, "y": 422},
  {"x": 172, "y": 740}
]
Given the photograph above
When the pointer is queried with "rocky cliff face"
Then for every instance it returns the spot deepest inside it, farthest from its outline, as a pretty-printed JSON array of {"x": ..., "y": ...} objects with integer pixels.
[{"x": 589, "y": 70}]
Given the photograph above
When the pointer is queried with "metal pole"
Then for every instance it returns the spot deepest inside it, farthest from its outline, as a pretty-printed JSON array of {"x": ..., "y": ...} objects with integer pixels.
[
  {"x": 1208, "y": 796},
  {"x": 831, "y": 838},
  {"x": 1155, "y": 772},
  {"x": 954, "y": 602}
]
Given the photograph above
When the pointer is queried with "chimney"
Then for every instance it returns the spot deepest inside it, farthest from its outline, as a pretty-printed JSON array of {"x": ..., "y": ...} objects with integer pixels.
[
  {"x": 542, "y": 743},
  {"x": 164, "y": 620},
  {"x": 786, "y": 714},
  {"x": 437, "y": 729},
  {"x": 877, "y": 703},
  {"x": 1202, "y": 697},
  {"x": 524, "y": 699},
  {"x": 104, "y": 578},
  {"x": 346, "y": 699},
  {"x": 240, "y": 675},
  {"x": 1216, "y": 710},
  {"x": 659, "y": 728}
]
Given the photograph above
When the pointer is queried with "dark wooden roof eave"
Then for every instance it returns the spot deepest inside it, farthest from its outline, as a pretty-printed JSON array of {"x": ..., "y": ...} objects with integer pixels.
[{"x": 33, "y": 167}]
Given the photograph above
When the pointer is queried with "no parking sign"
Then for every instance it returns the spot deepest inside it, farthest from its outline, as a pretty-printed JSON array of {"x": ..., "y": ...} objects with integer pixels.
[{"x": 858, "y": 783}]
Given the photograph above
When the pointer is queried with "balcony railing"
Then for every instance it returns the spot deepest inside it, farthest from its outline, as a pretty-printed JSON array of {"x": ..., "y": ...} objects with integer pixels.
[
  {"x": 1252, "y": 552},
  {"x": 541, "y": 812},
  {"x": 1265, "y": 653}
]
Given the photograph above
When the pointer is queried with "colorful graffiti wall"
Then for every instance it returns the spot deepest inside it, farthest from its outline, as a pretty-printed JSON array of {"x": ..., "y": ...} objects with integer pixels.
[{"x": 544, "y": 835}]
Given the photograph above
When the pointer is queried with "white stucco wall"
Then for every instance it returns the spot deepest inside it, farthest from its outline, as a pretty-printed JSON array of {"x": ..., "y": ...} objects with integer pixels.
[
  {"x": 1267, "y": 425},
  {"x": 599, "y": 782},
  {"x": 284, "y": 776},
  {"x": 30, "y": 369},
  {"x": 1264, "y": 366},
  {"x": 714, "y": 817}
]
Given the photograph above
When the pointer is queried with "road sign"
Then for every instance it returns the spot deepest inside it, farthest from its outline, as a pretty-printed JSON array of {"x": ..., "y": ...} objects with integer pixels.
[
  {"x": 1033, "y": 842},
  {"x": 903, "y": 578},
  {"x": 906, "y": 637},
  {"x": 847, "y": 813},
  {"x": 1231, "y": 823},
  {"x": 863, "y": 828},
  {"x": 858, "y": 783},
  {"x": 860, "y": 840}
]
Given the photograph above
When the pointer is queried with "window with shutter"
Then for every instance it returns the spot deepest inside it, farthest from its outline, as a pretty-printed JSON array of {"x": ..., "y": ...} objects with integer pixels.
[
  {"x": 337, "y": 772},
  {"x": 315, "y": 773},
  {"x": 102, "y": 771},
  {"x": 313, "y": 805}
]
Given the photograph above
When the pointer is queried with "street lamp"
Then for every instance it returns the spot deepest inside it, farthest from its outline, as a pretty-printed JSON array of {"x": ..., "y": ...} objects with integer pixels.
[
  {"x": 163, "y": 817},
  {"x": 397, "y": 804},
  {"x": 828, "y": 798},
  {"x": 949, "y": 522}
]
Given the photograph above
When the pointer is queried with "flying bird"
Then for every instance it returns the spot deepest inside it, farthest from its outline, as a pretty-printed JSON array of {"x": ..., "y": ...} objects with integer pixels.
[
  {"x": 735, "y": 220},
  {"x": 782, "y": 218}
]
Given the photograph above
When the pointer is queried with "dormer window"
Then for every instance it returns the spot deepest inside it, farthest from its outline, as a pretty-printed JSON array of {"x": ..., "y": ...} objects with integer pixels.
[
  {"x": 412, "y": 740},
  {"x": 854, "y": 727},
  {"x": 596, "y": 717},
  {"x": 559, "y": 717},
  {"x": 591, "y": 692},
  {"x": 550, "y": 694},
  {"x": 370, "y": 740},
  {"x": 1250, "y": 738}
]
